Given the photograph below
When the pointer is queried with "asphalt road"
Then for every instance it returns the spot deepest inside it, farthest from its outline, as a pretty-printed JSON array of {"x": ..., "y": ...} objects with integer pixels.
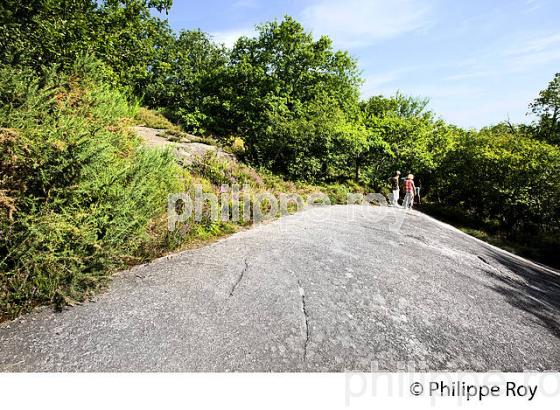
[{"x": 328, "y": 289}]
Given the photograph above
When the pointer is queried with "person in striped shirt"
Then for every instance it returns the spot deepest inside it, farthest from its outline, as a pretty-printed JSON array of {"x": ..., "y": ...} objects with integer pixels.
[{"x": 409, "y": 189}]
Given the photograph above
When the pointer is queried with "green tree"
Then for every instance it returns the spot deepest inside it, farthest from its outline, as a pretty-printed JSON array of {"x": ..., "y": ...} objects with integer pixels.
[
  {"x": 121, "y": 33},
  {"x": 501, "y": 175},
  {"x": 547, "y": 107},
  {"x": 405, "y": 136},
  {"x": 182, "y": 80},
  {"x": 277, "y": 92}
]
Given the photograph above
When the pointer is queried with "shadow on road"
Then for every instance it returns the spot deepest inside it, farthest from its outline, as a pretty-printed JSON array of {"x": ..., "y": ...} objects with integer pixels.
[{"x": 533, "y": 289}]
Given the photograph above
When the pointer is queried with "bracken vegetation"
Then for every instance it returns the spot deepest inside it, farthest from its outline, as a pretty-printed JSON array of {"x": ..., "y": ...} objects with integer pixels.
[
  {"x": 78, "y": 188},
  {"x": 80, "y": 197}
]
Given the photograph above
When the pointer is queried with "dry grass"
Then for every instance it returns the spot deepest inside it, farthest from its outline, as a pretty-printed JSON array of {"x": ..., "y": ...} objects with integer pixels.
[{"x": 154, "y": 119}]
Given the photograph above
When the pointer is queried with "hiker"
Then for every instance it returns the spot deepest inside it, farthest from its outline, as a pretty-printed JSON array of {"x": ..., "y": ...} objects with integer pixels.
[
  {"x": 418, "y": 188},
  {"x": 410, "y": 189},
  {"x": 394, "y": 180}
]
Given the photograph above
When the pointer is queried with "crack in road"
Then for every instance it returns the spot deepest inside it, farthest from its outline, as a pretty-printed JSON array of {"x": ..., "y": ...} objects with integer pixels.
[
  {"x": 181, "y": 316},
  {"x": 484, "y": 260},
  {"x": 306, "y": 318},
  {"x": 240, "y": 277}
]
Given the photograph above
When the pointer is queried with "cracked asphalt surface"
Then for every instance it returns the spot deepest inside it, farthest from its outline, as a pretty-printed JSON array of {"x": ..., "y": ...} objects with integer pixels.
[{"x": 328, "y": 289}]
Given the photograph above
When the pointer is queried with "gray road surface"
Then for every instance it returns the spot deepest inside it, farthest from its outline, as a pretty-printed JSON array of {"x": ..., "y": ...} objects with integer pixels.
[{"x": 322, "y": 290}]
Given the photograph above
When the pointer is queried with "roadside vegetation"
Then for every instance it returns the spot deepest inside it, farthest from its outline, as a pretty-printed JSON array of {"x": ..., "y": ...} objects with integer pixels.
[
  {"x": 77, "y": 188},
  {"x": 80, "y": 197}
]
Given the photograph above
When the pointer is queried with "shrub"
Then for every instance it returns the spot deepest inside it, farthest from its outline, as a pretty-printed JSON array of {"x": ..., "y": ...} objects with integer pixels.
[
  {"x": 78, "y": 192},
  {"x": 225, "y": 172},
  {"x": 154, "y": 119},
  {"x": 497, "y": 174}
]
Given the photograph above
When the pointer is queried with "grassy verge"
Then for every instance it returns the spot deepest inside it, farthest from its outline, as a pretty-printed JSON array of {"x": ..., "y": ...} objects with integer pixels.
[{"x": 153, "y": 119}]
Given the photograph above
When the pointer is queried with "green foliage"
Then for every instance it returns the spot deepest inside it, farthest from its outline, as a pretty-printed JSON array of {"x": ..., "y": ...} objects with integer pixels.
[
  {"x": 403, "y": 136},
  {"x": 122, "y": 34},
  {"x": 183, "y": 79},
  {"x": 78, "y": 191},
  {"x": 154, "y": 119},
  {"x": 80, "y": 197},
  {"x": 225, "y": 172},
  {"x": 291, "y": 99},
  {"x": 505, "y": 176},
  {"x": 235, "y": 146},
  {"x": 547, "y": 107}
]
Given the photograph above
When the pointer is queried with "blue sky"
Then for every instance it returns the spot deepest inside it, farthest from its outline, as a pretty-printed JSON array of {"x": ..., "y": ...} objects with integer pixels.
[{"x": 479, "y": 62}]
